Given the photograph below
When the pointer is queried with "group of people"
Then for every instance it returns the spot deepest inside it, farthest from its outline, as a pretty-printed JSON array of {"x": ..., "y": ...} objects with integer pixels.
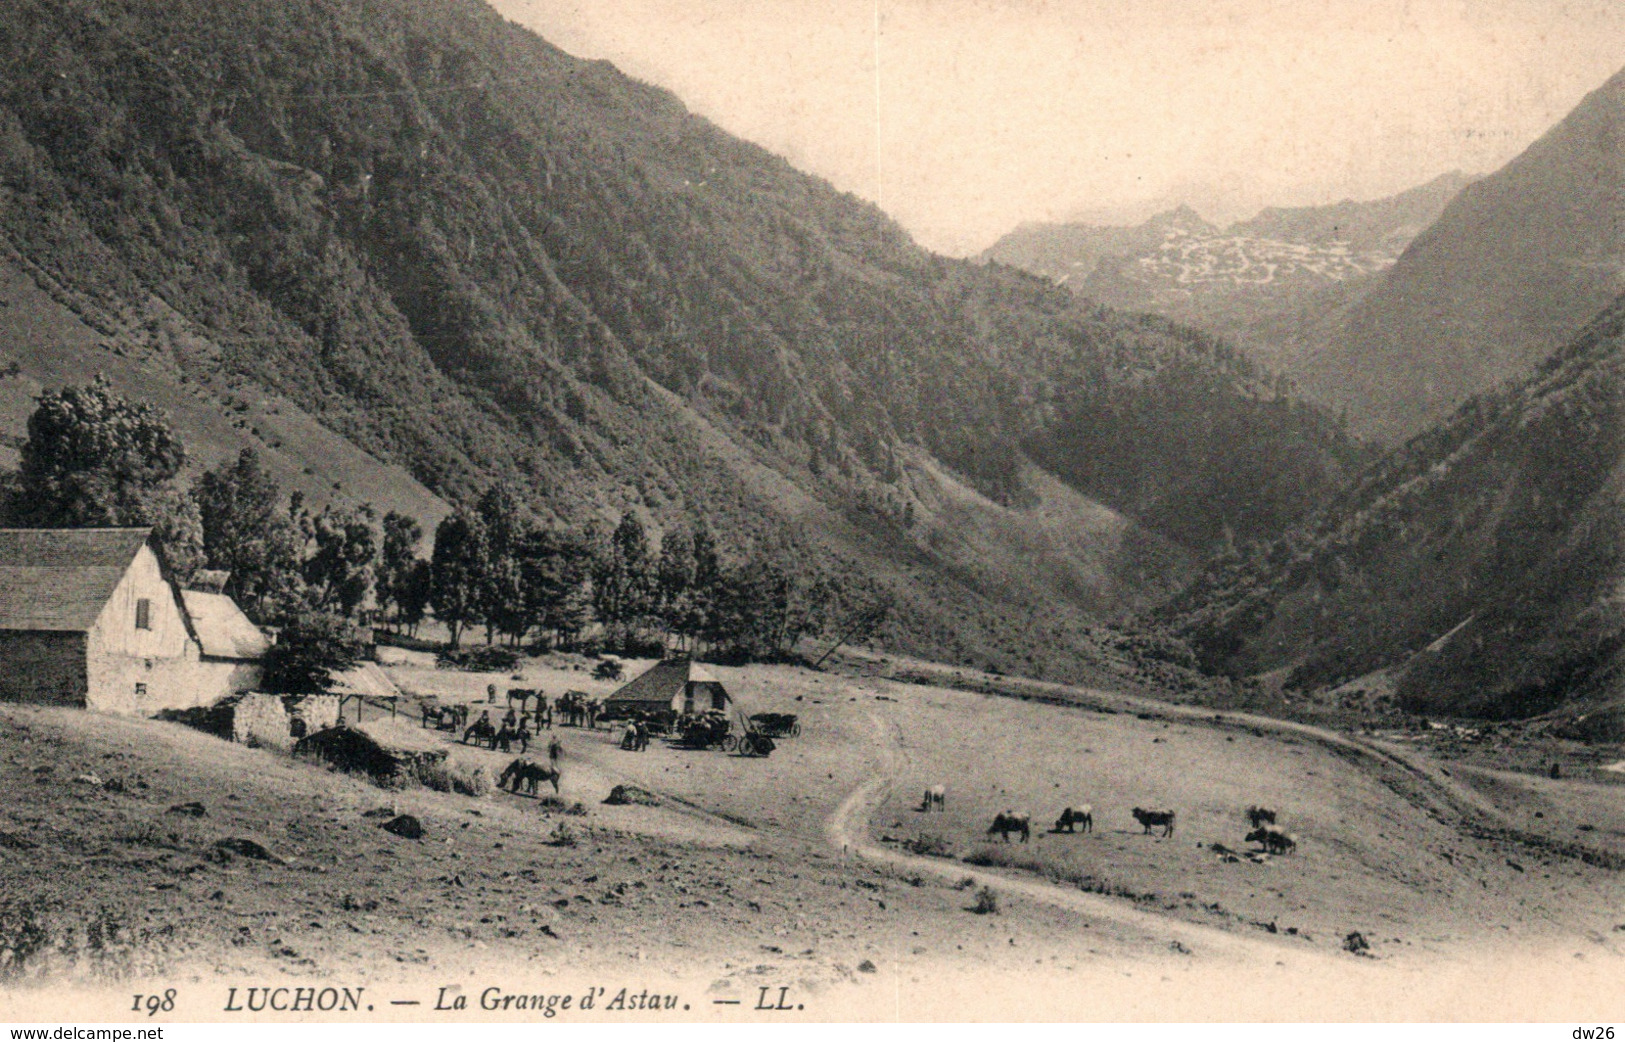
[
  {"x": 578, "y": 710},
  {"x": 636, "y": 737},
  {"x": 514, "y": 731}
]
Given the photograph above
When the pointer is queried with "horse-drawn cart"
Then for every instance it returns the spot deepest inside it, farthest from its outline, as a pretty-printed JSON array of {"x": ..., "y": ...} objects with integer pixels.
[
  {"x": 775, "y": 725},
  {"x": 704, "y": 730},
  {"x": 752, "y": 743}
]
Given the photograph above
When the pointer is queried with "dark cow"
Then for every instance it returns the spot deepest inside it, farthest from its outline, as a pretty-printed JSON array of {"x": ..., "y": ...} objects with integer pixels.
[
  {"x": 1009, "y": 821},
  {"x": 1150, "y": 819},
  {"x": 1257, "y": 816},
  {"x": 1274, "y": 840},
  {"x": 1075, "y": 818}
]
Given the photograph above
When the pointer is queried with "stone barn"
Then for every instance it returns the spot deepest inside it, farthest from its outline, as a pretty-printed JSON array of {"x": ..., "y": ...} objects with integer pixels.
[
  {"x": 229, "y": 646},
  {"x": 88, "y": 619}
]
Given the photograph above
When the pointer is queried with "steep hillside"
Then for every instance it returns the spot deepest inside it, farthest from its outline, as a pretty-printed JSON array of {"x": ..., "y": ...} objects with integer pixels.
[
  {"x": 1484, "y": 561},
  {"x": 476, "y": 258},
  {"x": 1511, "y": 269},
  {"x": 1272, "y": 283}
]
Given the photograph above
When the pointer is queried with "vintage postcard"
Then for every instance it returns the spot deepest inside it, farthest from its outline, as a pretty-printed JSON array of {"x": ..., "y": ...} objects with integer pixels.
[{"x": 706, "y": 512}]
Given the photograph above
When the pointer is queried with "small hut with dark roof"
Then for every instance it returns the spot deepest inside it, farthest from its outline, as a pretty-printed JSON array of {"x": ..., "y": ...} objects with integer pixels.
[
  {"x": 87, "y": 618},
  {"x": 668, "y": 688}
]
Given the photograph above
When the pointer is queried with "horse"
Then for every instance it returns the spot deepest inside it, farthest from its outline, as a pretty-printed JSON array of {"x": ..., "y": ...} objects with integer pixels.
[
  {"x": 1257, "y": 816},
  {"x": 530, "y": 773},
  {"x": 935, "y": 798},
  {"x": 480, "y": 731},
  {"x": 1149, "y": 819},
  {"x": 1274, "y": 840},
  {"x": 1073, "y": 817},
  {"x": 1009, "y": 821}
]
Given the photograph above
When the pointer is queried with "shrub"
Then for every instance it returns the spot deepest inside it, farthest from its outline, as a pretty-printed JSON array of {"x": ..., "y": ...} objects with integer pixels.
[
  {"x": 987, "y": 902},
  {"x": 486, "y": 658},
  {"x": 562, "y": 836},
  {"x": 553, "y": 803},
  {"x": 608, "y": 669}
]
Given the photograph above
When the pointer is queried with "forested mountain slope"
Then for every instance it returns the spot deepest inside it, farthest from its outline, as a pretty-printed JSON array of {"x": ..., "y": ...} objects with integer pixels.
[
  {"x": 1484, "y": 560},
  {"x": 477, "y": 258},
  {"x": 1508, "y": 273}
]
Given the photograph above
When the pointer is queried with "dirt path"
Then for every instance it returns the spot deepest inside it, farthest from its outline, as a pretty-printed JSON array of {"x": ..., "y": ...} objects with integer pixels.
[{"x": 847, "y": 830}]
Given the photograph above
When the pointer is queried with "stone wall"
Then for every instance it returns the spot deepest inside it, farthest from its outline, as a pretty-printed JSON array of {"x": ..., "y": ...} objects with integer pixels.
[{"x": 278, "y": 722}]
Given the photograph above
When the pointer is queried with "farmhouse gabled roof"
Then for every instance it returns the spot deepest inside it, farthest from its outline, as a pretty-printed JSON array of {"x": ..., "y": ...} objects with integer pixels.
[
  {"x": 60, "y": 578},
  {"x": 663, "y": 681},
  {"x": 221, "y": 628}
]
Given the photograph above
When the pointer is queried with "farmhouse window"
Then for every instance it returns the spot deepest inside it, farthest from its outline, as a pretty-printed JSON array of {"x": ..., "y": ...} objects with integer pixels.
[{"x": 143, "y": 614}]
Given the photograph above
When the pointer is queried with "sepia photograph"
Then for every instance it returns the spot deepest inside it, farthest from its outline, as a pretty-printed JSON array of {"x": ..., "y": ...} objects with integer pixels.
[{"x": 773, "y": 512}]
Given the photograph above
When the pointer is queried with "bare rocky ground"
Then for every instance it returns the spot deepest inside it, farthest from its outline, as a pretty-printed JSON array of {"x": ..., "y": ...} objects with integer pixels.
[{"x": 137, "y": 852}]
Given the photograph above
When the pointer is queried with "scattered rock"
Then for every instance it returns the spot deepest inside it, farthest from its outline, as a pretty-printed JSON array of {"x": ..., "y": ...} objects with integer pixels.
[
  {"x": 247, "y": 848},
  {"x": 191, "y": 810},
  {"x": 621, "y": 795},
  {"x": 866, "y": 967},
  {"x": 404, "y": 825},
  {"x": 89, "y": 779},
  {"x": 1356, "y": 944},
  {"x": 1514, "y": 865},
  {"x": 1175, "y": 946}
]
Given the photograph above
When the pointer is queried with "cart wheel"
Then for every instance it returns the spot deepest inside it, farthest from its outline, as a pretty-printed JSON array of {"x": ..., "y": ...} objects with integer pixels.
[
  {"x": 729, "y": 744},
  {"x": 795, "y": 730},
  {"x": 747, "y": 746}
]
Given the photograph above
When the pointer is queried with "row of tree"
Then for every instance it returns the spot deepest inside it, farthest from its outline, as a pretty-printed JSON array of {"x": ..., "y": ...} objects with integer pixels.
[
  {"x": 95, "y": 459},
  {"x": 494, "y": 568}
]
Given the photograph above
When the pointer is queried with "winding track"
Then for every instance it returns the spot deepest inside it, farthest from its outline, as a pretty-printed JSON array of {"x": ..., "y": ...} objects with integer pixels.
[{"x": 847, "y": 830}]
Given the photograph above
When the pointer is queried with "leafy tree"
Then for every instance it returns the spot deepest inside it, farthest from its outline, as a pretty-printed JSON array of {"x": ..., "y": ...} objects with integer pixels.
[
  {"x": 247, "y": 532},
  {"x": 622, "y": 578},
  {"x": 555, "y": 570},
  {"x": 412, "y": 596},
  {"x": 500, "y": 586},
  {"x": 339, "y": 572},
  {"x": 311, "y": 647},
  {"x": 94, "y": 459},
  {"x": 674, "y": 582},
  {"x": 397, "y": 562},
  {"x": 455, "y": 570}
]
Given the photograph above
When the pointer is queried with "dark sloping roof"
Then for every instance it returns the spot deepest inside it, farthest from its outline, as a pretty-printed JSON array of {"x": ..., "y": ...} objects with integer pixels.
[
  {"x": 61, "y": 578},
  {"x": 663, "y": 682},
  {"x": 222, "y": 630}
]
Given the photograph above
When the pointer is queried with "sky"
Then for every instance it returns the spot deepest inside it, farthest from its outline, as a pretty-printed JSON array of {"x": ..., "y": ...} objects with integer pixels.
[{"x": 965, "y": 118}]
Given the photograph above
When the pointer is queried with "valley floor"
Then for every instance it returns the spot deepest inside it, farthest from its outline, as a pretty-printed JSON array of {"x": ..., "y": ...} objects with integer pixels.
[{"x": 796, "y": 871}]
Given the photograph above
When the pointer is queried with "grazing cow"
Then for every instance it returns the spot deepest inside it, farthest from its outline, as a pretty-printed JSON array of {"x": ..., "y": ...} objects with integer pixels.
[
  {"x": 1274, "y": 840},
  {"x": 1009, "y": 821},
  {"x": 1149, "y": 819},
  {"x": 1073, "y": 818},
  {"x": 935, "y": 798},
  {"x": 529, "y": 773},
  {"x": 1257, "y": 816}
]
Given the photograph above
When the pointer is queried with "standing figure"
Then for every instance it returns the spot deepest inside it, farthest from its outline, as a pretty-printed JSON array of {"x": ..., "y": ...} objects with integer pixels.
[{"x": 554, "y": 752}]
